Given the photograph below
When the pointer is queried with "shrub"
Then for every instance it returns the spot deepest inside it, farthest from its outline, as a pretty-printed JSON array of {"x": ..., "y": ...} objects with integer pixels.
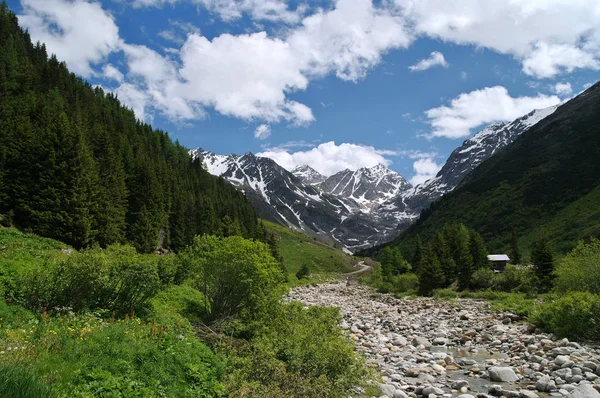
[
  {"x": 482, "y": 279},
  {"x": 579, "y": 271},
  {"x": 516, "y": 280},
  {"x": 575, "y": 315},
  {"x": 117, "y": 279},
  {"x": 406, "y": 283},
  {"x": 236, "y": 275},
  {"x": 298, "y": 352},
  {"x": 303, "y": 272}
]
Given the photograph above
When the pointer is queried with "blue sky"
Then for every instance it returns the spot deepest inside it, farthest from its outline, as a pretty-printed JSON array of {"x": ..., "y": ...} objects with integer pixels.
[{"x": 336, "y": 84}]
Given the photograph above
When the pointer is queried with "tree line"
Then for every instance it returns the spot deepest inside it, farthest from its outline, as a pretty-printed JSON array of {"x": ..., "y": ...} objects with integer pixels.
[{"x": 76, "y": 165}]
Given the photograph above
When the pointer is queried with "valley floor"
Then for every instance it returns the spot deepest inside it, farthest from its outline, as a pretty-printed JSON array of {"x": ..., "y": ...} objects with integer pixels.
[{"x": 456, "y": 348}]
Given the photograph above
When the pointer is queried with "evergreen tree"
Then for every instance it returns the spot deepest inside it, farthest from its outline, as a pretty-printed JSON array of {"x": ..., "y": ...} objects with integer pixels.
[
  {"x": 515, "y": 254},
  {"x": 418, "y": 254},
  {"x": 478, "y": 251},
  {"x": 431, "y": 275},
  {"x": 543, "y": 261}
]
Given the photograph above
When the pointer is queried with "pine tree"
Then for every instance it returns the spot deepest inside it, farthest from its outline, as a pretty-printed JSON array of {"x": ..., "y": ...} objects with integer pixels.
[
  {"x": 515, "y": 254},
  {"x": 543, "y": 261},
  {"x": 478, "y": 250},
  {"x": 418, "y": 254},
  {"x": 431, "y": 275}
]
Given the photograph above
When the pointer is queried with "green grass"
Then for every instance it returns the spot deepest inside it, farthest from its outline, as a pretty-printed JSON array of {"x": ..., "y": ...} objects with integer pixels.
[
  {"x": 297, "y": 249},
  {"x": 20, "y": 251},
  {"x": 517, "y": 303}
]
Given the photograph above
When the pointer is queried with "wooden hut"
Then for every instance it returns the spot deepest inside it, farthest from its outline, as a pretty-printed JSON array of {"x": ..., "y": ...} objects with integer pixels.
[{"x": 499, "y": 262}]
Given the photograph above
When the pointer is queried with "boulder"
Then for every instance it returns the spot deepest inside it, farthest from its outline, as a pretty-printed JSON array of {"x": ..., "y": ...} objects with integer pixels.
[
  {"x": 498, "y": 373},
  {"x": 584, "y": 391}
]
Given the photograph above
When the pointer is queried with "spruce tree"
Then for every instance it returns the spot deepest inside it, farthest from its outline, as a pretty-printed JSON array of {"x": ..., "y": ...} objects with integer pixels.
[
  {"x": 515, "y": 254},
  {"x": 543, "y": 261},
  {"x": 478, "y": 251},
  {"x": 431, "y": 275}
]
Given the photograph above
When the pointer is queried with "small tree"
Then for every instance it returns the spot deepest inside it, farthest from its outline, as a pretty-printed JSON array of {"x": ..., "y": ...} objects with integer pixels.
[
  {"x": 303, "y": 272},
  {"x": 543, "y": 261},
  {"x": 236, "y": 275},
  {"x": 515, "y": 254}
]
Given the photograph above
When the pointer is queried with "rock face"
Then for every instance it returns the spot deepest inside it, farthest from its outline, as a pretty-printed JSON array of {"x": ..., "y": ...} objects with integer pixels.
[
  {"x": 481, "y": 356},
  {"x": 471, "y": 154},
  {"x": 361, "y": 208}
]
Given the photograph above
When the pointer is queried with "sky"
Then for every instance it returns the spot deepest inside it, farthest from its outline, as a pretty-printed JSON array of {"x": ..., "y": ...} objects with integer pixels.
[{"x": 333, "y": 84}]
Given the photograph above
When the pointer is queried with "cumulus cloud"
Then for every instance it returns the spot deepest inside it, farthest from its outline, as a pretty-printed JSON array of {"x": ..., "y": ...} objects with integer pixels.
[
  {"x": 262, "y": 132},
  {"x": 86, "y": 33},
  {"x": 549, "y": 37},
  {"x": 229, "y": 10},
  {"x": 112, "y": 73},
  {"x": 563, "y": 88},
  {"x": 491, "y": 104},
  {"x": 435, "y": 59},
  {"x": 425, "y": 169},
  {"x": 329, "y": 158}
]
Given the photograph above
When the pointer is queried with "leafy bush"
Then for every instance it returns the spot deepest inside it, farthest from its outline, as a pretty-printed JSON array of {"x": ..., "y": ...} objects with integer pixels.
[
  {"x": 303, "y": 272},
  {"x": 579, "y": 271},
  {"x": 116, "y": 279},
  {"x": 298, "y": 353},
  {"x": 482, "y": 279},
  {"x": 575, "y": 315},
  {"x": 444, "y": 294},
  {"x": 236, "y": 275},
  {"x": 20, "y": 382},
  {"x": 516, "y": 280},
  {"x": 405, "y": 283}
]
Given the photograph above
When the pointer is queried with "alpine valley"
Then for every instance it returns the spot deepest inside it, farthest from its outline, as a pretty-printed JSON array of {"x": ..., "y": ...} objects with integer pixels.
[{"x": 362, "y": 208}]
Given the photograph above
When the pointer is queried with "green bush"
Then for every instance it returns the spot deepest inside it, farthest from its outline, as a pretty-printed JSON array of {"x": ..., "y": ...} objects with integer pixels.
[
  {"x": 298, "y": 352},
  {"x": 575, "y": 316},
  {"x": 236, "y": 275},
  {"x": 444, "y": 294},
  {"x": 516, "y": 280},
  {"x": 116, "y": 279},
  {"x": 405, "y": 283},
  {"x": 482, "y": 279},
  {"x": 303, "y": 272},
  {"x": 579, "y": 271},
  {"x": 20, "y": 382}
]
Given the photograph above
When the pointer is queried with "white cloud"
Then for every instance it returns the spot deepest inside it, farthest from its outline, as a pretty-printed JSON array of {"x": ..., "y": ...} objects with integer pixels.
[
  {"x": 178, "y": 31},
  {"x": 262, "y": 132},
  {"x": 425, "y": 169},
  {"x": 491, "y": 104},
  {"x": 436, "y": 58},
  {"x": 563, "y": 88},
  {"x": 112, "y": 73},
  {"x": 329, "y": 158},
  {"x": 229, "y": 10},
  {"x": 548, "y": 36},
  {"x": 463, "y": 75},
  {"x": 86, "y": 33},
  {"x": 550, "y": 60}
]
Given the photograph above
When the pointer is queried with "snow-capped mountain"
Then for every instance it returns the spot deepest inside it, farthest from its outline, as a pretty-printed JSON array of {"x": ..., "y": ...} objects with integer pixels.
[
  {"x": 471, "y": 154},
  {"x": 308, "y": 175},
  {"x": 356, "y": 208},
  {"x": 369, "y": 187},
  {"x": 280, "y": 196}
]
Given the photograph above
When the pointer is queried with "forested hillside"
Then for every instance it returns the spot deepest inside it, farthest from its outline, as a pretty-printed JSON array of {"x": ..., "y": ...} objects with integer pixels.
[
  {"x": 545, "y": 181},
  {"x": 76, "y": 165}
]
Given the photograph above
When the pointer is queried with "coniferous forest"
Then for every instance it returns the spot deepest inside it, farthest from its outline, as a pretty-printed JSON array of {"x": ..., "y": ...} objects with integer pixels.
[{"x": 76, "y": 165}]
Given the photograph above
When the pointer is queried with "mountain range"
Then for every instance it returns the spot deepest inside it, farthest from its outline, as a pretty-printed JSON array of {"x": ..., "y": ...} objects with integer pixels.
[
  {"x": 547, "y": 182},
  {"x": 362, "y": 208}
]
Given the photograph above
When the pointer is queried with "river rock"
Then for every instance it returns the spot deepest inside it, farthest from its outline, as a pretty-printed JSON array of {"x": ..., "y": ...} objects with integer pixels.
[
  {"x": 584, "y": 391},
  {"x": 505, "y": 374}
]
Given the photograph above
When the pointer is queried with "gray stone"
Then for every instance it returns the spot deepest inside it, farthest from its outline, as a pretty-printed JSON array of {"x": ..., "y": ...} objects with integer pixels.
[
  {"x": 545, "y": 384},
  {"x": 584, "y": 391},
  {"x": 432, "y": 390},
  {"x": 561, "y": 359},
  {"x": 387, "y": 389},
  {"x": 400, "y": 394},
  {"x": 458, "y": 384},
  {"x": 419, "y": 340},
  {"x": 527, "y": 394},
  {"x": 498, "y": 373},
  {"x": 466, "y": 396}
]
